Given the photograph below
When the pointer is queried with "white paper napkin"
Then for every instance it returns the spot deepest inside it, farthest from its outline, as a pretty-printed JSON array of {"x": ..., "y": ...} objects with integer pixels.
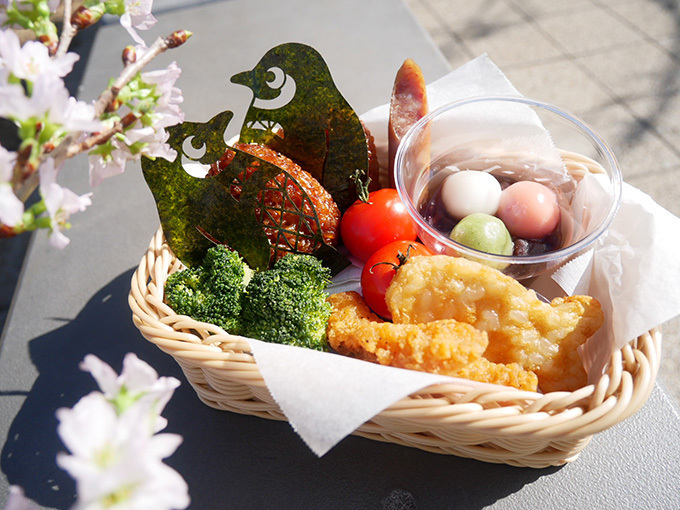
[
  {"x": 633, "y": 271},
  {"x": 327, "y": 396}
]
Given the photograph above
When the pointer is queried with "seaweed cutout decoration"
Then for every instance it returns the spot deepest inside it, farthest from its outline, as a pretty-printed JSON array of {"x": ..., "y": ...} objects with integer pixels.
[{"x": 297, "y": 111}]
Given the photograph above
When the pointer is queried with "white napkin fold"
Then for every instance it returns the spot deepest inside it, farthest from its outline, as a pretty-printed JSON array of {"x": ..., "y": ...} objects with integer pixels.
[
  {"x": 327, "y": 396},
  {"x": 633, "y": 271}
]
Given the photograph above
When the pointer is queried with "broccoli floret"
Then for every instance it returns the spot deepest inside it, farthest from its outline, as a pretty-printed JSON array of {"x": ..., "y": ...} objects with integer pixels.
[
  {"x": 287, "y": 303},
  {"x": 211, "y": 292}
]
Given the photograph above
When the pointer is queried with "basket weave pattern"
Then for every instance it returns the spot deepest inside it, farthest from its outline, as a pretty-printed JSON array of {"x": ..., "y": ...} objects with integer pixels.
[{"x": 509, "y": 426}]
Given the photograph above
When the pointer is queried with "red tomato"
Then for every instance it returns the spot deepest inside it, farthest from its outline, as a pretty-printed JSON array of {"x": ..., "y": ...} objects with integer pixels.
[
  {"x": 368, "y": 226},
  {"x": 377, "y": 275}
]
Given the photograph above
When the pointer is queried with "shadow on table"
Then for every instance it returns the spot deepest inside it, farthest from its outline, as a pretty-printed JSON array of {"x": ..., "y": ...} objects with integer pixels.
[{"x": 227, "y": 459}]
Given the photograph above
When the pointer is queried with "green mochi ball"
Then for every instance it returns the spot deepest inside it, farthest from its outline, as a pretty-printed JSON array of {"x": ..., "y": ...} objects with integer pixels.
[{"x": 483, "y": 232}]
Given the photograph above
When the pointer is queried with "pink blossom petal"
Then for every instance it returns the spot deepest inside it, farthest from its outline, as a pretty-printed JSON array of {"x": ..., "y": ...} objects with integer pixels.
[
  {"x": 18, "y": 501},
  {"x": 11, "y": 208},
  {"x": 102, "y": 372}
]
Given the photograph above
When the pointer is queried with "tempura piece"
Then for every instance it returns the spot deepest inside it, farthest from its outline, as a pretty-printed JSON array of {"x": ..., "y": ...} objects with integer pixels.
[
  {"x": 440, "y": 347},
  {"x": 513, "y": 374},
  {"x": 445, "y": 347},
  {"x": 522, "y": 329}
]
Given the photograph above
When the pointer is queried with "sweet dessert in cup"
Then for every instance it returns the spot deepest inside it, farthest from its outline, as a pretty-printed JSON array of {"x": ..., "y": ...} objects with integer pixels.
[{"x": 508, "y": 181}]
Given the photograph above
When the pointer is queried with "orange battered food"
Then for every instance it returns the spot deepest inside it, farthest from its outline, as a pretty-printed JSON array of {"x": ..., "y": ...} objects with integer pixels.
[
  {"x": 512, "y": 374},
  {"x": 288, "y": 221},
  {"x": 445, "y": 347},
  {"x": 541, "y": 337}
]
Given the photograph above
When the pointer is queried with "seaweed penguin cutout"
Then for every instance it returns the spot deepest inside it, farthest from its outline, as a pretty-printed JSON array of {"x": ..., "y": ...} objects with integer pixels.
[
  {"x": 197, "y": 212},
  {"x": 313, "y": 125},
  {"x": 190, "y": 207},
  {"x": 298, "y": 111}
]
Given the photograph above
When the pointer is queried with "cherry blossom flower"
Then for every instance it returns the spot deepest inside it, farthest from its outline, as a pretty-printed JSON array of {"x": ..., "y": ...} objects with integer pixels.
[
  {"x": 52, "y": 100},
  {"x": 18, "y": 501},
  {"x": 146, "y": 137},
  {"x": 115, "y": 456},
  {"x": 138, "y": 382},
  {"x": 167, "y": 111},
  {"x": 11, "y": 208},
  {"x": 60, "y": 203},
  {"x": 154, "y": 141},
  {"x": 32, "y": 59},
  {"x": 137, "y": 16},
  {"x": 14, "y": 104},
  {"x": 103, "y": 166},
  {"x": 50, "y": 104}
]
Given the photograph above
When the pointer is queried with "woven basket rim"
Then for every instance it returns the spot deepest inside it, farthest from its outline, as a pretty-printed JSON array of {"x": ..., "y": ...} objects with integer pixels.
[{"x": 621, "y": 390}]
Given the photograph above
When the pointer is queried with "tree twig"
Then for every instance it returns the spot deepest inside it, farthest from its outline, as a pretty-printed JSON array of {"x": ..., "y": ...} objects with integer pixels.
[
  {"x": 101, "y": 137},
  {"x": 68, "y": 31}
]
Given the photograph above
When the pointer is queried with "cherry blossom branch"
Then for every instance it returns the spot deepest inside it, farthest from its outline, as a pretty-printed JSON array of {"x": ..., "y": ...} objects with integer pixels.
[
  {"x": 107, "y": 97},
  {"x": 68, "y": 148},
  {"x": 100, "y": 138},
  {"x": 159, "y": 46}
]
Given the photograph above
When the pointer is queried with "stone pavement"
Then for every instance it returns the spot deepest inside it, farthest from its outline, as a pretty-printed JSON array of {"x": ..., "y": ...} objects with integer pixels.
[{"x": 614, "y": 63}]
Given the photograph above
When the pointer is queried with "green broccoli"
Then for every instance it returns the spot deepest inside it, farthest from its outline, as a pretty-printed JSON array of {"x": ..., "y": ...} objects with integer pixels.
[
  {"x": 287, "y": 303},
  {"x": 211, "y": 292}
]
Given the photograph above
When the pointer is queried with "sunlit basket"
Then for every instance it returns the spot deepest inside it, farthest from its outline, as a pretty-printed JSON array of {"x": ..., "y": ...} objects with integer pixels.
[{"x": 508, "y": 426}]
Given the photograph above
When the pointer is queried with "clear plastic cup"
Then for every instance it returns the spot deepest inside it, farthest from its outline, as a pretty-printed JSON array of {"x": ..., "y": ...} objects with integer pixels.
[{"x": 514, "y": 139}]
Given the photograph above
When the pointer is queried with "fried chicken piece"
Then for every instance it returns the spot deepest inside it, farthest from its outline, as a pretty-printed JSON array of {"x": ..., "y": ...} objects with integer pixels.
[
  {"x": 440, "y": 347},
  {"x": 541, "y": 337},
  {"x": 445, "y": 347},
  {"x": 513, "y": 374}
]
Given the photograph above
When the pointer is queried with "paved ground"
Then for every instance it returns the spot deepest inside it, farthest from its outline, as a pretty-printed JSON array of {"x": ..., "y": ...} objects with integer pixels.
[{"x": 615, "y": 63}]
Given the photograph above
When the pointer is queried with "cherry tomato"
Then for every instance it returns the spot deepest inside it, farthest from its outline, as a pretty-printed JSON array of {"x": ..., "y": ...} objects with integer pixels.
[
  {"x": 368, "y": 226},
  {"x": 381, "y": 267}
]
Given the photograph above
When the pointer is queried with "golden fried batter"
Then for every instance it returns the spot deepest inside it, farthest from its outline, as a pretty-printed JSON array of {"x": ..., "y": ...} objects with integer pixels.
[
  {"x": 522, "y": 329},
  {"x": 444, "y": 347},
  {"x": 439, "y": 347},
  {"x": 513, "y": 374}
]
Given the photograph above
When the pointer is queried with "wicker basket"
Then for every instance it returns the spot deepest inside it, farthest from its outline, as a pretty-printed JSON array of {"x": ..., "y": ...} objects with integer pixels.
[{"x": 494, "y": 425}]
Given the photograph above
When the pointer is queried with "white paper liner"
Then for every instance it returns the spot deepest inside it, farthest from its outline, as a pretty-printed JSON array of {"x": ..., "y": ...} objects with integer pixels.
[
  {"x": 325, "y": 397},
  {"x": 633, "y": 271}
]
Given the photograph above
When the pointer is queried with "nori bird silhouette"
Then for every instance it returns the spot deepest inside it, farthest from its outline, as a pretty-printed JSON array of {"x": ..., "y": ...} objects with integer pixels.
[
  {"x": 195, "y": 212},
  {"x": 298, "y": 111}
]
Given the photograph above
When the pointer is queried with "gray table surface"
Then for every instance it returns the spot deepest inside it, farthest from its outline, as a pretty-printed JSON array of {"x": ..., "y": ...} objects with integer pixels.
[{"x": 73, "y": 302}]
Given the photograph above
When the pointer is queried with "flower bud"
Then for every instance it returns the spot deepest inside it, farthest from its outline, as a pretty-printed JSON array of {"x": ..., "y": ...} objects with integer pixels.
[
  {"x": 7, "y": 231},
  {"x": 178, "y": 38},
  {"x": 128, "y": 120},
  {"x": 113, "y": 106},
  {"x": 50, "y": 41},
  {"x": 129, "y": 55},
  {"x": 84, "y": 17}
]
